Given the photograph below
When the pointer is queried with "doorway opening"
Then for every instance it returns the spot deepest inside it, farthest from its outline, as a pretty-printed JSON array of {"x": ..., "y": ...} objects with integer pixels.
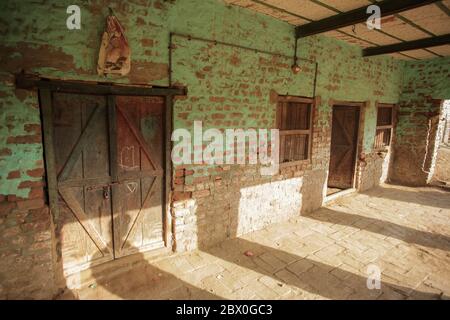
[
  {"x": 343, "y": 150},
  {"x": 108, "y": 172},
  {"x": 441, "y": 174}
]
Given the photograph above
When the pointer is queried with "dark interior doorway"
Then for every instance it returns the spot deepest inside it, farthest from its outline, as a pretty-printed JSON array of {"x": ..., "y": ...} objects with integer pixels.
[{"x": 344, "y": 144}]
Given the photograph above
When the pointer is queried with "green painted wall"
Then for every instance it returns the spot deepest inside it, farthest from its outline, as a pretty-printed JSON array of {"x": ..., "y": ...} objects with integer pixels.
[
  {"x": 425, "y": 84},
  {"x": 422, "y": 82},
  {"x": 228, "y": 87}
]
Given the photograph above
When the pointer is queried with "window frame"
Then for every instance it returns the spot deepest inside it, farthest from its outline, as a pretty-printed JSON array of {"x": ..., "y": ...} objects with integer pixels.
[
  {"x": 282, "y": 133},
  {"x": 384, "y": 127}
]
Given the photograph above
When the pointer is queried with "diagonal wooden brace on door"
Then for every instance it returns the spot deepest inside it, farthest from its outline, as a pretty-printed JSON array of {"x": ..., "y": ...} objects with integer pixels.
[
  {"x": 137, "y": 133},
  {"x": 81, "y": 216},
  {"x": 85, "y": 137},
  {"x": 144, "y": 205}
]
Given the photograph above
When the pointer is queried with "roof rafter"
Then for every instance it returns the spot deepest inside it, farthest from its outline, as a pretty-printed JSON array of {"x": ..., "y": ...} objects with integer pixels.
[
  {"x": 388, "y": 7},
  {"x": 409, "y": 45}
]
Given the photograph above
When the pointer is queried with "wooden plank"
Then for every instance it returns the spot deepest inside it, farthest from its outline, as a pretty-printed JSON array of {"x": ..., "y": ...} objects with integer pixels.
[
  {"x": 49, "y": 152},
  {"x": 102, "y": 181},
  {"x": 284, "y": 114},
  {"x": 112, "y": 130},
  {"x": 312, "y": 112},
  {"x": 84, "y": 220},
  {"x": 306, "y": 100},
  {"x": 67, "y": 128},
  {"x": 27, "y": 82},
  {"x": 139, "y": 218},
  {"x": 168, "y": 120},
  {"x": 294, "y": 132},
  {"x": 385, "y": 105},
  {"x": 114, "y": 170},
  {"x": 144, "y": 204},
  {"x": 409, "y": 45},
  {"x": 140, "y": 138},
  {"x": 133, "y": 175},
  {"x": 343, "y": 155},
  {"x": 84, "y": 139},
  {"x": 384, "y": 127},
  {"x": 282, "y": 148},
  {"x": 45, "y": 97}
]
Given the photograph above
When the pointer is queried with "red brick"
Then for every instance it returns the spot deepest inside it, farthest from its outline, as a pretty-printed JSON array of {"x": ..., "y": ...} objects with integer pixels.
[
  {"x": 218, "y": 116},
  {"x": 201, "y": 194},
  {"x": 30, "y": 204},
  {"x": 14, "y": 174},
  {"x": 7, "y": 207},
  {"x": 178, "y": 181},
  {"x": 31, "y": 184},
  {"x": 14, "y": 198},
  {"x": 36, "y": 173},
  {"x": 216, "y": 99},
  {"x": 36, "y": 193},
  {"x": 33, "y": 127},
  {"x": 179, "y": 196},
  {"x": 179, "y": 173},
  {"x": 5, "y": 152},
  {"x": 26, "y": 139}
]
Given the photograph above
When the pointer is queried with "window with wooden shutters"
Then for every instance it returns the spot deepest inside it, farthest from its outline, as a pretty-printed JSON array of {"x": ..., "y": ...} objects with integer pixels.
[
  {"x": 385, "y": 124},
  {"x": 294, "y": 118}
]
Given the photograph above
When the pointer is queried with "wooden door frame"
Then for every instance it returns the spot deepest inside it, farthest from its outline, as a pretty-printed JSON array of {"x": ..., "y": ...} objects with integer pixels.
[
  {"x": 361, "y": 106},
  {"x": 46, "y": 88}
]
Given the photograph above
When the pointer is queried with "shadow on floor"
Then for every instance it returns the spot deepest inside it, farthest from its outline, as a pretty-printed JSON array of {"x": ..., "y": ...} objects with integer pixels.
[
  {"x": 389, "y": 229},
  {"x": 308, "y": 275},
  {"x": 147, "y": 282},
  {"x": 431, "y": 197},
  {"x": 134, "y": 277}
]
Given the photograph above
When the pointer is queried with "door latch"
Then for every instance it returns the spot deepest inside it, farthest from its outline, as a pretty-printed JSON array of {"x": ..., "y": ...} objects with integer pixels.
[{"x": 106, "y": 192}]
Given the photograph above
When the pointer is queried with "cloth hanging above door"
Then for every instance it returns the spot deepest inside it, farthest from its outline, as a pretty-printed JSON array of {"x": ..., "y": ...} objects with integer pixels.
[{"x": 115, "y": 54}]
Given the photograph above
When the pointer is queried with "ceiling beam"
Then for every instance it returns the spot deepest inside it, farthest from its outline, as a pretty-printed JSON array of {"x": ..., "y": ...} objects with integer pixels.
[
  {"x": 388, "y": 7},
  {"x": 409, "y": 45}
]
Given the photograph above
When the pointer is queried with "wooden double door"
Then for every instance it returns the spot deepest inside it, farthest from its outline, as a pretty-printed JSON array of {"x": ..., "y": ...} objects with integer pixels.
[
  {"x": 108, "y": 158},
  {"x": 344, "y": 143}
]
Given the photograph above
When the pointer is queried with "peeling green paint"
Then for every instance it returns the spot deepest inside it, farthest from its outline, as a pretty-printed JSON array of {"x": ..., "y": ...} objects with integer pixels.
[
  {"x": 36, "y": 39},
  {"x": 14, "y": 115},
  {"x": 423, "y": 81}
]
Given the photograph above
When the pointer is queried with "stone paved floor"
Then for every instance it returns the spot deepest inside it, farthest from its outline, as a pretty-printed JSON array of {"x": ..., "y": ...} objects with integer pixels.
[{"x": 404, "y": 231}]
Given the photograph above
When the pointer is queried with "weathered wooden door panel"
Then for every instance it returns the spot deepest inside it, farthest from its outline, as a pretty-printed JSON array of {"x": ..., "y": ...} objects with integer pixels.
[
  {"x": 343, "y": 146},
  {"x": 138, "y": 197},
  {"x": 108, "y": 163},
  {"x": 80, "y": 131}
]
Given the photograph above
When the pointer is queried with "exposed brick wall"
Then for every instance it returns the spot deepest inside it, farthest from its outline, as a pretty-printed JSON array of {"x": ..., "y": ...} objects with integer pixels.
[
  {"x": 26, "y": 265},
  {"x": 228, "y": 88},
  {"x": 374, "y": 169},
  {"x": 445, "y": 122},
  {"x": 442, "y": 169},
  {"x": 425, "y": 85},
  {"x": 441, "y": 163},
  {"x": 231, "y": 200},
  {"x": 26, "y": 252}
]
